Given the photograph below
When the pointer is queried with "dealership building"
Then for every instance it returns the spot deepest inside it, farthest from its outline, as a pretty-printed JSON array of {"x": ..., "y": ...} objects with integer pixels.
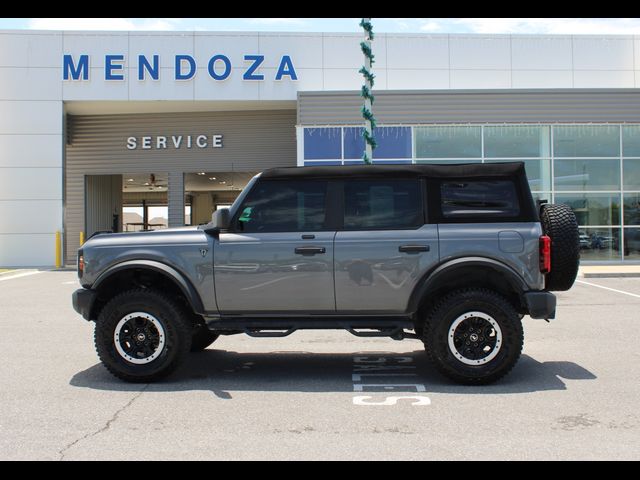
[{"x": 141, "y": 130}]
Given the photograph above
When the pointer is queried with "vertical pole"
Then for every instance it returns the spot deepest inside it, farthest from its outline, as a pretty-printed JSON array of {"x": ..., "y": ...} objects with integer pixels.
[
  {"x": 81, "y": 238},
  {"x": 58, "y": 249},
  {"x": 367, "y": 114},
  {"x": 368, "y": 151}
]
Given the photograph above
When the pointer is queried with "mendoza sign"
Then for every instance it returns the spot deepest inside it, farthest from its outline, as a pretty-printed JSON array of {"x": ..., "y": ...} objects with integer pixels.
[{"x": 185, "y": 67}]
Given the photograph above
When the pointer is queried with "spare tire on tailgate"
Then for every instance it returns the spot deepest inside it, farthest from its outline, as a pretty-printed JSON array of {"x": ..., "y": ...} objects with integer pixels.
[{"x": 560, "y": 224}]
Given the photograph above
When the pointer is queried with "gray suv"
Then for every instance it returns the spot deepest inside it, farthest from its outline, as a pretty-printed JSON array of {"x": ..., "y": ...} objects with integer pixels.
[{"x": 452, "y": 255}]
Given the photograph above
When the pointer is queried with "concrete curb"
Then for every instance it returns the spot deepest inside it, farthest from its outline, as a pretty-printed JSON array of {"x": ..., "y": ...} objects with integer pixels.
[{"x": 611, "y": 275}]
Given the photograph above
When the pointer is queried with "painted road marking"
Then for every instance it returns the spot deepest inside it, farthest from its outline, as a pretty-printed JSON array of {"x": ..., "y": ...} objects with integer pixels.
[
  {"x": 417, "y": 400},
  {"x": 383, "y": 366},
  {"x": 18, "y": 275},
  {"x": 607, "y": 288},
  {"x": 359, "y": 387}
]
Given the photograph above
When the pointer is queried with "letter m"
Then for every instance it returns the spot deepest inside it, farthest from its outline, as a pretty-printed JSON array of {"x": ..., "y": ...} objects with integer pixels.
[{"x": 72, "y": 71}]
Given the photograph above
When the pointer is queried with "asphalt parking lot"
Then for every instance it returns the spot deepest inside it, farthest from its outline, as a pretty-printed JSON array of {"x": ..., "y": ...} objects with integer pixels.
[{"x": 312, "y": 395}]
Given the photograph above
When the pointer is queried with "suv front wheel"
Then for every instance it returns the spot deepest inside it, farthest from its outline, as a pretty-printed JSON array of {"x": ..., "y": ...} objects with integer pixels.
[
  {"x": 473, "y": 336},
  {"x": 142, "y": 335}
]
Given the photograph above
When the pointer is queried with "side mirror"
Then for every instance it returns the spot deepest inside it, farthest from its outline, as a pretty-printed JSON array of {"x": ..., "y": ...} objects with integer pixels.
[{"x": 220, "y": 220}]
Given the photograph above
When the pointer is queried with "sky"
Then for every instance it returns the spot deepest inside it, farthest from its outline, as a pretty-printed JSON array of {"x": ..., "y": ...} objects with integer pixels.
[{"x": 594, "y": 26}]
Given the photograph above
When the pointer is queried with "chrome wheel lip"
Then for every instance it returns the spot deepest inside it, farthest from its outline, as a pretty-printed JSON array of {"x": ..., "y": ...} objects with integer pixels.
[
  {"x": 161, "y": 338},
  {"x": 480, "y": 361}
]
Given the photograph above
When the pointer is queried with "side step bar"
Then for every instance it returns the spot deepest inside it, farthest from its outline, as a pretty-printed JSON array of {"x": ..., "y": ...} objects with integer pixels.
[{"x": 283, "y": 326}]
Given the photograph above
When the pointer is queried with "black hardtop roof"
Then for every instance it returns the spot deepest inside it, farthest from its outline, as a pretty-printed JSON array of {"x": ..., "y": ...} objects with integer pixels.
[{"x": 508, "y": 169}]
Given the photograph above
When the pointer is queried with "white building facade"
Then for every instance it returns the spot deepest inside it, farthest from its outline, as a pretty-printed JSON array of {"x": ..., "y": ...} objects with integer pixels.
[{"x": 93, "y": 123}]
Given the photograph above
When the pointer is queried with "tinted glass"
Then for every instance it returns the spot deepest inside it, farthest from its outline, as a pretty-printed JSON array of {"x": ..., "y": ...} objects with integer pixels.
[
  {"x": 516, "y": 141},
  {"x": 602, "y": 174},
  {"x": 586, "y": 141},
  {"x": 632, "y": 243},
  {"x": 600, "y": 244},
  {"x": 322, "y": 143},
  {"x": 632, "y": 208},
  {"x": 538, "y": 173},
  {"x": 382, "y": 204},
  {"x": 448, "y": 142},
  {"x": 479, "y": 198},
  {"x": 274, "y": 206},
  {"x": 593, "y": 208},
  {"x": 393, "y": 142},
  {"x": 631, "y": 174},
  {"x": 631, "y": 141}
]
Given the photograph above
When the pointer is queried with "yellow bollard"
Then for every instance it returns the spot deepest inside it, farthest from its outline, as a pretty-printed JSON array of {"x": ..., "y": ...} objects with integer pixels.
[
  {"x": 81, "y": 238},
  {"x": 58, "y": 249}
]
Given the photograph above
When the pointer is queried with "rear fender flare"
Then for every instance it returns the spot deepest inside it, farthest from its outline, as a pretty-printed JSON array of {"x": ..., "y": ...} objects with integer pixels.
[{"x": 431, "y": 279}]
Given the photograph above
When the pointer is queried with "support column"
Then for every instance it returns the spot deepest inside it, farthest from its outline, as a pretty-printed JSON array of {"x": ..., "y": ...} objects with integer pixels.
[{"x": 175, "y": 198}]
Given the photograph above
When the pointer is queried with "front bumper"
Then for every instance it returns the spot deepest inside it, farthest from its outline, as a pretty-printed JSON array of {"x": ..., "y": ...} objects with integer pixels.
[
  {"x": 82, "y": 301},
  {"x": 541, "y": 304}
]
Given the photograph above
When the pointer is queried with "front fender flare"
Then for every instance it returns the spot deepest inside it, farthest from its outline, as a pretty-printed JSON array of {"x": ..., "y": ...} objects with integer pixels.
[{"x": 189, "y": 291}]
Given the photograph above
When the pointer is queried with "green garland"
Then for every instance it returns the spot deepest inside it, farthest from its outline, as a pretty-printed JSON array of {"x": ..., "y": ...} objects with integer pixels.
[
  {"x": 365, "y": 91},
  {"x": 368, "y": 27},
  {"x": 367, "y": 75}
]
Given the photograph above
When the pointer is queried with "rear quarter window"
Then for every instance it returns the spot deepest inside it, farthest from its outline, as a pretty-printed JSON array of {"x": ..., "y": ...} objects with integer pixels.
[{"x": 481, "y": 199}]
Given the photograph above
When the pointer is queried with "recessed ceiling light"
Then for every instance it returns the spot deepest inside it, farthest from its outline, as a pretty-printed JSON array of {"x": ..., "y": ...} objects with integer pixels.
[
  {"x": 147, "y": 184},
  {"x": 201, "y": 173},
  {"x": 212, "y": 178},
  {"x": 129, "y": 179},
  {"x": 222, "y": 182}
]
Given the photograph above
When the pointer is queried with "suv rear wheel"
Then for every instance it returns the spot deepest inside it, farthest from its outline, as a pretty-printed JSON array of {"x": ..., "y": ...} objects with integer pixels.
[
  {"x": 142, "y": 335},
  {"x": 473, "y": 336}
]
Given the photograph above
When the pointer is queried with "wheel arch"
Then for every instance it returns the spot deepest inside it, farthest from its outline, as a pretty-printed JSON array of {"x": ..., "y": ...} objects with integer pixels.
[
  {"x": 475, "y": 272},
  {"x": 144, "y": 272}
]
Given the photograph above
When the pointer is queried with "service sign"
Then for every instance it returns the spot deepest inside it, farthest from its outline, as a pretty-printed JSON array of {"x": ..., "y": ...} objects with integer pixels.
[{"x": 176, "y": 142}]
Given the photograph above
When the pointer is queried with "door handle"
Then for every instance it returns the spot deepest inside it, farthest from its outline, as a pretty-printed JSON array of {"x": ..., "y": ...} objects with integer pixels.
[
  {"x": 309, "y": 250},
  {"x": 413, "y": 248}
]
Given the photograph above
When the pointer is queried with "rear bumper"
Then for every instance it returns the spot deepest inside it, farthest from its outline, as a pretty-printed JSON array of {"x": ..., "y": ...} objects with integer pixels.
[
  {"x": 541, "y": 304},
  {"x": 82, "y": 301}
]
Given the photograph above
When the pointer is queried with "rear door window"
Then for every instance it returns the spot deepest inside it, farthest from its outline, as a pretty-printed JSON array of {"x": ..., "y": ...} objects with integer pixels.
[{"x": 382, "y": 204}]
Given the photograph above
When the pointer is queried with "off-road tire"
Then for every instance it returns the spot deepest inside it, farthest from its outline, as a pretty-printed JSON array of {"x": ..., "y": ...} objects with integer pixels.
[
  {"x": 442, "y": 317},
  {"x": 201, "y": 338},
  {"x": 175, "y": 324},
  {"x": 560, "y": 224}
]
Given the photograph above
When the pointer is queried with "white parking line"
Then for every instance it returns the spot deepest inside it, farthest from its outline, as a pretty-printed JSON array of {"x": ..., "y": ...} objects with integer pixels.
[
  {"x": 607, "y": 288},
  {"x": 18, "y": 275}
]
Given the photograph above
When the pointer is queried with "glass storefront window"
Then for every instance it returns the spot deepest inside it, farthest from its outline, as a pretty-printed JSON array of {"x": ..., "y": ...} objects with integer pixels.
[
  {"x": 632, "y": 244},
  {"x": 448, "y": 142},
  {"x": 322, "y": 143},
  {"x": 452, "y": 161},
  {"x": 631, "y": 140},
  {"x": 631, "y": 209},
  {"x": 591, "y": 174},
  {"x": 393, "y": 142},
  {"x": 586, "y": 141},
  {"x": 631, "y": 171},
  {"x": 593, "y": 208},
  {"x": 516, "y": 141},
  {"x": 599, "y": 244},
  {"x": 538, "y": 173}
]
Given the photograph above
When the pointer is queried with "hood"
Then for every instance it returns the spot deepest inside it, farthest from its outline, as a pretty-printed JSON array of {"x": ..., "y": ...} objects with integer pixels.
[{"x": 163, "y": 236}]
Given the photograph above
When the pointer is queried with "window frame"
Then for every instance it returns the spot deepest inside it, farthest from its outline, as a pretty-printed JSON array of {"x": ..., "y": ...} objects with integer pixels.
[
  {"x": 434, "y": 193},
  {"x": 422, "y": 214},
  {"x": 329, "y": 220}
]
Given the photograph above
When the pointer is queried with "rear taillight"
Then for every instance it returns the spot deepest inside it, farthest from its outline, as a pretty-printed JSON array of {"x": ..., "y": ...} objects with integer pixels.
[
  {"x": 80, "y": 265},
  {"x": 545, "y": 254}
]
